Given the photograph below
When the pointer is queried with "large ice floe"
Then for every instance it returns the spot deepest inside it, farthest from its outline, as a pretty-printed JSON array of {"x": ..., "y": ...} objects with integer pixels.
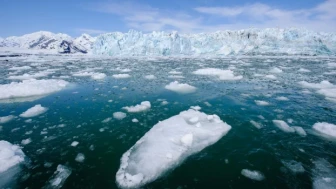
[
  {"x": 167, "y": 145},
  {"x": 31, "y": 88},
  {"x": 182, "y": 88},
  {"x": 145, "y": 105},
  {"x": 324, "y": 175},
  {"x": 324, "y": 88},
  {"x": 220, "y": 74},
  {"x": 58, "y": 178}
]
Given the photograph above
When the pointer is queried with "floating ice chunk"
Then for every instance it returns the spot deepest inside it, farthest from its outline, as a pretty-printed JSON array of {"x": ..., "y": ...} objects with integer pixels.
[
  {"x": 34, "y": 111},
  {"x": 276, "y": 70},
  {"x": 322, "y": 85},
  {"x": 221, "y": 74},
  {"x": 74, "y": 143},
  {"x": 119, "y": 115},
  {"x": 195, "y": 107},
  {"x": 28, "y": 88},
  {"x": 300, "y": 131},
  {"x": 174, "y": 72},
  {"x": 294, "y": 166},
  {"x": 98, "y": 76},
  {"x": 324, "y": 175},
  {"x": 145, "y": 105},
  {"x": 163, "y": 103},
  {"x": 283, "y": 126},
  {"x": 182, "y": 88},
  {"x": 80, "y": 158},
  {"x": 176, "y": 76},
  {"x": 325, "y": 128},
  {"x": 10, "y": 155},
  {"x": 261, "y": 103},
  {"x": 20, "y": 68},
  {"x": 256, "y": 124},
  {"x": 282, "y": 98},
  {"x": 177, "y": 139},
  {"x": 59, "y": 177},
  {"x": 121, "y": 76},
  {"x": 150, "y": 77},
  {"x": 304, "y": 70},
  {"x": 107, "y": 120},
  {"x": 254, "y": 175},
  {"x": 26, "y": 141},
  {"x": 134, "y": 120},
  {"x": 6, "y": 119},
  {"x": 270, "y": 77}
]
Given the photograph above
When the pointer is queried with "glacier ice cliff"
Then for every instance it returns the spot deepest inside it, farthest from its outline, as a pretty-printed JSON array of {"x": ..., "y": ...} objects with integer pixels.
[{"x": 272, "y": 41}]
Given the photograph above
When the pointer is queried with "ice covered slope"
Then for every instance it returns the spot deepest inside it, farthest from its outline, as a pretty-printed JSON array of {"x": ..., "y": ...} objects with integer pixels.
[
  {"x": 57, "y": 43},
  {"x": 272, "y": 41},
  {"x": 167, "y": 145}
]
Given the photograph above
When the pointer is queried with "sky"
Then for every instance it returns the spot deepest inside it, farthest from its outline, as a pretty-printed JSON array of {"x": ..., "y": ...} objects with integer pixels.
[{"x": 74, "y": 17}]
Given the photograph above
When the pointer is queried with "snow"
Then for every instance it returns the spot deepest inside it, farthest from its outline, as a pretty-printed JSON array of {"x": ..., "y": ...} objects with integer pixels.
[
  {"x": 143, "y": 106},
  {"x": 29, "y": 88},
  {"x": 269, "y": 41},
  {"x": 121, "y": 76},
  {"x": 119, "y": 115},
  {"x": 220, "y": 74},
  {"x": 6, "y": 119},
  {"x": 59, "y": 177},
  {"x": 261, "y": 103},
  {"x": 167, "y": 145},
  {"x": 252, "y": 174},
  {"x": 34, "y": 111},
  {"x": 182, "y": 88},
  {"x": 10, "y": 155},
  {"x": 283, "y": 126},
  {"x": 325, "y": 128}
]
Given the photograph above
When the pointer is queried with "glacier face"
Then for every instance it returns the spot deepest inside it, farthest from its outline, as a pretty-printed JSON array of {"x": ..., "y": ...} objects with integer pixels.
[
  {"x": 58, "y": 43},
  {"x": 272, "y": 41}
]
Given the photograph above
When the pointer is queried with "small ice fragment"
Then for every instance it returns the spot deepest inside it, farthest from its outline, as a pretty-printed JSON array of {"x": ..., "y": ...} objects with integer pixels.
[
  {"x": 261, "y": 103},
  {"x": 254, "y": 175},
  {"x": 300, "y": 131},
  {"x": 80, "y": 157},
  {"x": 26, "y": 141},
  {"x": 121, "y": 76},
  {"x": 283, "y": 126},
  {"x": 282, "y": 98},
  {"x": 294, "y": 166},
  {"x": 134, "y": 120},
  {"x": 150, "y": 77},
  {"x": 182, "y": 88},
  {"x": 276, "y": 70},
  {"x": 270, "y": 77},
  {"x": 256, "y": 124},
  {"x": 107, "y": 120},
  {"x": 143, "y": 106},
  {"x": 34, "y": 111},
  {"x": 6, "y": 119},
  {"x": 58, "y": 178},
  {"x": 163, "y": 103},
  {"x": 74, "y": 143},
  {"x": 119, "y": 115}
]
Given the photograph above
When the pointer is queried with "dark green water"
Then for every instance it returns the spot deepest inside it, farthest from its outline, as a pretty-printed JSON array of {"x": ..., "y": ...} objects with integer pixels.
[{"x": 83, "y": 106}]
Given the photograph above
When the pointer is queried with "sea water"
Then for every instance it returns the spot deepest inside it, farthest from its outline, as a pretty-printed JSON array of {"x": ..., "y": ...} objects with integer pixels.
[{"x": 79, "y": 140}]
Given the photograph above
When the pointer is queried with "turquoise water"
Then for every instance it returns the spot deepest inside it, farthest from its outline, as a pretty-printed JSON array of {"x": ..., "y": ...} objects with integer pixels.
[{"x": 76, "y": 114}]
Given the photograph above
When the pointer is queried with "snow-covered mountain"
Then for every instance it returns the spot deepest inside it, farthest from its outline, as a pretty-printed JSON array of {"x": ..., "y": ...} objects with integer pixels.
[
  {"x": 59, "y": 43},
  {"x": 271, "y": 41}
]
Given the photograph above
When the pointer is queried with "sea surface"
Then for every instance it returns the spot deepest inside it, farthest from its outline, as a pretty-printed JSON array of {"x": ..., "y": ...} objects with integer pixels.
[{"x": 77, "y": 113}]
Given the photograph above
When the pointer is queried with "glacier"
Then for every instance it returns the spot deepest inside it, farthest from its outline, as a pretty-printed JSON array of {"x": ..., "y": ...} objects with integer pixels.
[
  {"x": 250, "y": 42},
  {"x": 272, "y": 41}
]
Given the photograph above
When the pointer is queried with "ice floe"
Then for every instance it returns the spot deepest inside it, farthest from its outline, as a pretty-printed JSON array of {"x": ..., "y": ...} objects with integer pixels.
[
  {"x": 252, "y": 174},
  {"x": 34, "y": 111},
  {"x": 29, "y": 88},
  {"x": 167, "y": 145},
  {"x": 182, "y": 88},
  {"x": 121, "y": 76},
  {"x": 6, "y": 119},
  {"x": 261, "y": 103},
  {"x": 324, "y": 175},
  {"x": 220, "y": 74},
  {"x": 327, "y": 129},
  {"x": 59, "y": 177},
  {"x": 283, "y": 126},
  {"x": 119, "y": 115},
  {"x": 324, "y": 88},
  {"x": 143, "y": 106},
  {"x": 10, "y": 155}
]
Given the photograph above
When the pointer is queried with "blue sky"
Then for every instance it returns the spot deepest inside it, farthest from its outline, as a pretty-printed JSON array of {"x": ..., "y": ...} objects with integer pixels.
[{"x": 18, "y": 17}]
